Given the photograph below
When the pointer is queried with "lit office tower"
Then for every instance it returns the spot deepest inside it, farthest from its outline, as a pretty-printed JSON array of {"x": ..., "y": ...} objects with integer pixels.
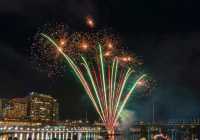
[
  {"x": 16, "y": 108},
  {"x": 56, "y": 111},
  {"x": 42, "y": 107},
  {"x": 3, "y": 105}
]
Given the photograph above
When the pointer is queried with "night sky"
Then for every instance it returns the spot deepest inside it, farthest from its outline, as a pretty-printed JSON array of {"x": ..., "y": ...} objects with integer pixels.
[{"x": 165, "y": 34}]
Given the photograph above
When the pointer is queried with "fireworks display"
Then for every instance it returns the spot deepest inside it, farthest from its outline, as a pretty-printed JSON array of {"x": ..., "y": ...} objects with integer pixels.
[
  {"x": 104, "y": 81},
  {"x": 103, "y": 68}
]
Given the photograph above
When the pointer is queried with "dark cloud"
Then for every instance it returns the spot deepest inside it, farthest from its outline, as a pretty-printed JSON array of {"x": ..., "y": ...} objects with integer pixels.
[
  {"x": 40, "y": 7},
  {"x": 10, "y": 6}
]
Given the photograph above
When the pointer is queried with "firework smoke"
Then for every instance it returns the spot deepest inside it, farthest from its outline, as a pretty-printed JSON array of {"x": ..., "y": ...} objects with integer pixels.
[{"x": 127, "y": 117}]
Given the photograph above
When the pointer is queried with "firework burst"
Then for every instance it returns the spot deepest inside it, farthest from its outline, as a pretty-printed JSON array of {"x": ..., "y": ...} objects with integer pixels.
[
  {"x": 102, "y": 68},
  {"x": 98, "y": 61},
  {"x": 47, "y": 58},
  {"x": 76, "y": 44}
]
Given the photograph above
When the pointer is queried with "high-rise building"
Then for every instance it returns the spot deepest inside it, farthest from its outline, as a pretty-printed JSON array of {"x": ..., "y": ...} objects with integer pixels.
[
  {"x": 16, "y": 108},
  {"x": 35, "y": 107},
  {"x": 42, "y": 107},
  {"x": 3, "y": 105},
  {"x": 56, "y": 111}
]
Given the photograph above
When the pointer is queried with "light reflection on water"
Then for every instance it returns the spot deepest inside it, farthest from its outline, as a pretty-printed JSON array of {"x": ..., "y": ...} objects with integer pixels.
[
  {"x": 40, "y": 135},
  {"x": 186, "y": 133},
  {"x": 60, "y": 136}
]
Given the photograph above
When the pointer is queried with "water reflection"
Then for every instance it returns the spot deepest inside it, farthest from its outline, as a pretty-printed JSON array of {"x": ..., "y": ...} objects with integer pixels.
[
  {"x": 51, "y": 136},
  {"x": 88, "y": 136},
  {"x": 67, "y": 136}
]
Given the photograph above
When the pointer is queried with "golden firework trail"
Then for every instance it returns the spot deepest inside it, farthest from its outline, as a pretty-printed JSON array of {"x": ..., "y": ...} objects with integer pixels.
[{"x": 105, "y": 84}]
